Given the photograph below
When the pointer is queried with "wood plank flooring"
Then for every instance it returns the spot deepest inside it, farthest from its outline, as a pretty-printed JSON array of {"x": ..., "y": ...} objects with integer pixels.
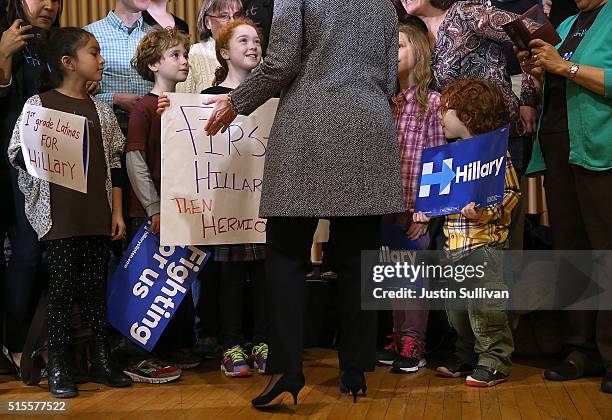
[{"x": 204, "y": 393}]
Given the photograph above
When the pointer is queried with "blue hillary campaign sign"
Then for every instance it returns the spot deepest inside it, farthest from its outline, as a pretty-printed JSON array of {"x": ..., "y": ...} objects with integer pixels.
[
  {"x": 149, "y": 285},
  {"x": 456, "y": 174}
]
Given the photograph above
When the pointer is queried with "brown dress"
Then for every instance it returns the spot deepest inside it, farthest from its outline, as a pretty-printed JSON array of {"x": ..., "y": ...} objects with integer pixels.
[{"x": 74, "y": 213}]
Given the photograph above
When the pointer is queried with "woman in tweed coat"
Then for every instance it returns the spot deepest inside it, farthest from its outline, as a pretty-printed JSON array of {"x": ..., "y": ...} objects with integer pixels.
[{"x": 332, "y": 153}]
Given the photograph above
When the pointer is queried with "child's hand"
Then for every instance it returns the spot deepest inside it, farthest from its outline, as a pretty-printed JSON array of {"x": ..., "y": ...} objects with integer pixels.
[
  {"x": 155, "y": 227},
  {"x": 163, "y": 102},
  {"x": 471, "y": 212},
  {"x": 419, "y": 217},
  {"x": 416, "y": 230},
  {"x": 118, "y": 226}
]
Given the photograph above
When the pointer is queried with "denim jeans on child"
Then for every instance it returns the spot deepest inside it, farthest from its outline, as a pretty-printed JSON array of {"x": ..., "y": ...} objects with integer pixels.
[{"x": 483, "y": 335}]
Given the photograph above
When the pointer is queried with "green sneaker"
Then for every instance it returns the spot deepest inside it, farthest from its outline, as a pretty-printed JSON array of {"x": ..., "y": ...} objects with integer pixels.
[
  {"x": 260, "y": 357},
  {"x": 235, "y": 362}
]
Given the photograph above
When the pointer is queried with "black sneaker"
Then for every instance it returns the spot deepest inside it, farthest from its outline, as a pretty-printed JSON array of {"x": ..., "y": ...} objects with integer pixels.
[
  {"x": 410, "y": 357},
  {"x": 454, "y": 369},
  {"x": 387, "y": 355},
  {"x": 484, "y": 376}
]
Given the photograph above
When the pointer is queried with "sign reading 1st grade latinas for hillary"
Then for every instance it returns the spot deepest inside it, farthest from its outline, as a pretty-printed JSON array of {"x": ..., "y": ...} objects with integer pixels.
[
  {"x": 55, "y": 146},
  {"x": 211, "y": 185},
  {"x": 149, "y": 285},
  {"x": 456, "y": 174}
]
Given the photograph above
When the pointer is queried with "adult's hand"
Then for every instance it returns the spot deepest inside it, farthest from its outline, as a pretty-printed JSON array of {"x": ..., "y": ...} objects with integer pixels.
[
  {"x": 126, "y": 101},
  {"x": 528, "y": 64},
  {"x": 222, "y": 115},
  {"x": 528, "y": 118},
  {"x": 14, "y": 39},
  {"x": 547, "y": 57}
]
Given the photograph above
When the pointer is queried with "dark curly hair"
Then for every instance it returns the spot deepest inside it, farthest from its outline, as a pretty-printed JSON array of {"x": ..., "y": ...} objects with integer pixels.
[{"x": 479, "y": 104}]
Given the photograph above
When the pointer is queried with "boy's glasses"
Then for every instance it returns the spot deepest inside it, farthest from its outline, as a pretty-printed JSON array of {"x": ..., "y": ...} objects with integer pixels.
[{"x": 226, "y": 17}]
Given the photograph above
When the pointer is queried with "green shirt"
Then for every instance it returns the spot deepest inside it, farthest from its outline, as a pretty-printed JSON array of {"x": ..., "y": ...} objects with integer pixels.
[{"x": 589, "y": 114}]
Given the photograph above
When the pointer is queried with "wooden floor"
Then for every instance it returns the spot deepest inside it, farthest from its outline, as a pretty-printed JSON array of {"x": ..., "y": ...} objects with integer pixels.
[{"x": 204, "y": 393}]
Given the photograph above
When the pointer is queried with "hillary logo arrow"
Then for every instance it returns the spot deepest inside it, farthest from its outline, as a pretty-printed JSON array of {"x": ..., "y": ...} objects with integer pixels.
[{"x": 442, "y": 178}]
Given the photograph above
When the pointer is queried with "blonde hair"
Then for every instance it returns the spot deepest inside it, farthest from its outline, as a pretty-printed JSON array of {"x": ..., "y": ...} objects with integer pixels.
[
  {"x": 222, "y": 41},
  {"x": 422, "y": 67},
  {"x": 153, "y": 46}
]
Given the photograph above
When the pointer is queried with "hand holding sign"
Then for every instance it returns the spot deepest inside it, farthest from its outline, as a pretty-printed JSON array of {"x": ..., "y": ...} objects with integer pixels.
[
  {"x": 211, "y": 184},
  {"x": 470, "y": 211}
]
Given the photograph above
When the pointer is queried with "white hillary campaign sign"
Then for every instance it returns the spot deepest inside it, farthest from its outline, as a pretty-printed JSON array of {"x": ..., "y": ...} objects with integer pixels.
[{"x": 55, "y": 146}]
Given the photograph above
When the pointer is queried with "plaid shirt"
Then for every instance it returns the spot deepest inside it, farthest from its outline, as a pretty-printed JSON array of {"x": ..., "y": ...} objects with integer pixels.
[
  {"x": 118, "y": 45},
  {"x": 464, "y": 235},
  {"x": 414, "y": 134}
]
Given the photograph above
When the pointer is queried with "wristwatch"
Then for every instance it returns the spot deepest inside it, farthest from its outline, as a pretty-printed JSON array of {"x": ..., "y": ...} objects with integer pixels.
[{"x": 573, "y": 70}]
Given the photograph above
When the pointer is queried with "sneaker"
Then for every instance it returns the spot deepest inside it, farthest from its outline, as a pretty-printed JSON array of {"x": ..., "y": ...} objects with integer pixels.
[
  {"x": 182, "y": 359},
  {"x": 235, "y": 362},
  {"x": 152, "y": 371},
  {"x": 484, "y": 376},
  {"x": 387, "y": 355},
  {"x": 259, "y": 355},
  {"x": 207, "y": 347},
  {"x": 454, "y": 369},
  {"x": 410, "y": 357}
]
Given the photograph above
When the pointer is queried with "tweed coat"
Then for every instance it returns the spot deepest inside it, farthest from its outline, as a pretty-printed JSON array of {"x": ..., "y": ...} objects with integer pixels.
[{"x": 333, "y": 149}]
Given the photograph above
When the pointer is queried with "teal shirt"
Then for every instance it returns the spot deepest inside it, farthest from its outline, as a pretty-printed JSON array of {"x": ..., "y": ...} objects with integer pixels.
[{"x": 589, "y": 114}]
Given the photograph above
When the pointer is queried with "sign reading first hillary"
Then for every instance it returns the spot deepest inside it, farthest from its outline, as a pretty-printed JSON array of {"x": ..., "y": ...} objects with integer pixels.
[
  {"x": 456, "y": 174},
  {"x": 211, "y": 185}
]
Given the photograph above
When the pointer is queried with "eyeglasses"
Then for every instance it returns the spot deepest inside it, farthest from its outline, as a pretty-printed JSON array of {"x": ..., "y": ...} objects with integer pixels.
[{"x": 226, "y": 17}]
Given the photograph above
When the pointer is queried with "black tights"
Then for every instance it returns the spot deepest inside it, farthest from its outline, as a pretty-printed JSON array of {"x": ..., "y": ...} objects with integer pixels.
[{"x": 77, "y": 270}]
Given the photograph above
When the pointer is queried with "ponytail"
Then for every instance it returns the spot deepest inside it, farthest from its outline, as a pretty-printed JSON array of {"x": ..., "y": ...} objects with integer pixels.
[{"x": 220, "y": 74}]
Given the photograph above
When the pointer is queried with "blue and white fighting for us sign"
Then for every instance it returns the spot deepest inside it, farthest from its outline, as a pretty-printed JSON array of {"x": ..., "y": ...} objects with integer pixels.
[
  {"x": 462, "y": 172},
  {"x": 149, "y": 285}
]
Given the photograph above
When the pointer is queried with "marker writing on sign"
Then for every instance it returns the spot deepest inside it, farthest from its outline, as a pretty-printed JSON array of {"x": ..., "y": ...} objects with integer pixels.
[{"x": 40, "y": 159}]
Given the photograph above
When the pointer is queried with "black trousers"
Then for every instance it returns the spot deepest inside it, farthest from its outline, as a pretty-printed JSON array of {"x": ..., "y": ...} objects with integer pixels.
[
  {"x": 580, "y": 211},
  {"x": 288, "y": 246},
  {"x": 77, "y": 271},
  {"x": 231, "y": 301},
  {"x": 26, "y": 276}
]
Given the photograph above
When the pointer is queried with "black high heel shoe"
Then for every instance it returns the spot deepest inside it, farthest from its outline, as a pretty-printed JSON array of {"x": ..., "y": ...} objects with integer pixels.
[
  {"x": 9, "y": 356},
  {"x": 291, "y": 383},
  {"x": 353, "y": 382}
]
